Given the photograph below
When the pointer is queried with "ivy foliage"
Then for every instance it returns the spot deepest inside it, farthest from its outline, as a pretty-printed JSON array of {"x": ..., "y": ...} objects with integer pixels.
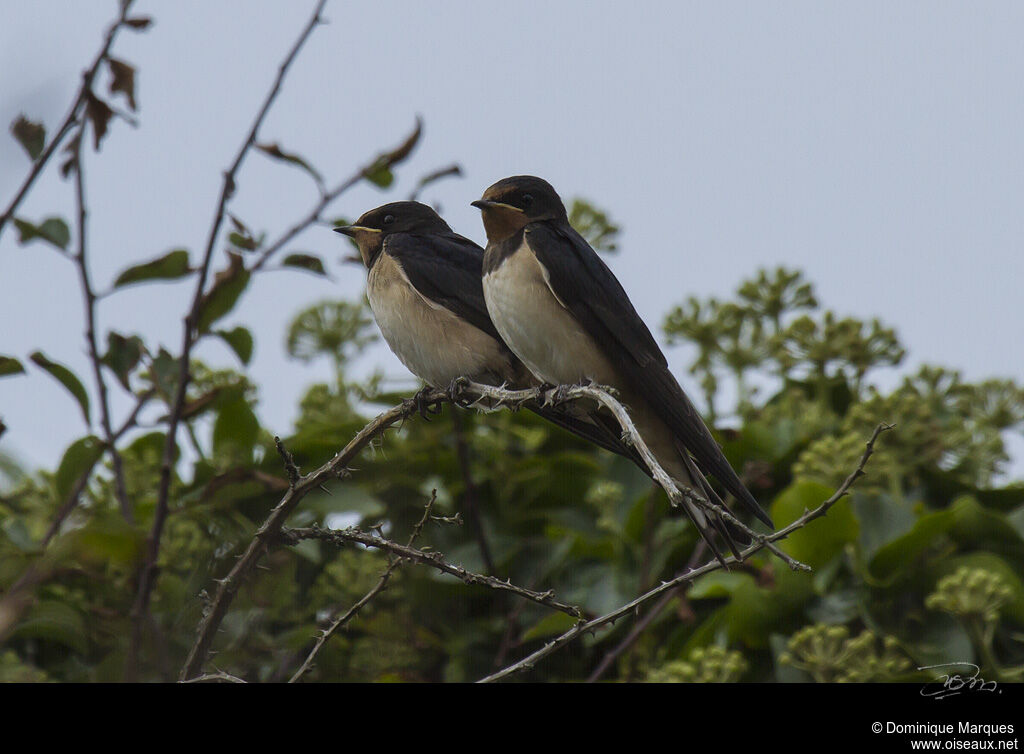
[{"x": 921, "y": 563}]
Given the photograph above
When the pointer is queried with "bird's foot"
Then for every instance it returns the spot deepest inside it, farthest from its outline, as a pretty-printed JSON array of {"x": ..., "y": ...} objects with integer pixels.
[
  {"x": 424, "y": 405},
  {"x": 562, "y": 394},
  {"x": 455, "y": 389}
]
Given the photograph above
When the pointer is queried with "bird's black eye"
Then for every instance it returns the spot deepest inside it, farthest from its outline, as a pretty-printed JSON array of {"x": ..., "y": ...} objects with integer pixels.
[
  {"x": 388, "y": 219},
  {"x": 527, "y": 200}
]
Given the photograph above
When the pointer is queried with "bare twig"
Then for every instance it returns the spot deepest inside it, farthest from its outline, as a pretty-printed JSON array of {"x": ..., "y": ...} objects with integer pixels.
[
  {"x": 82, "y": 263},
  {"x": 315, "y": 215},
  {"x": 489, "y": 398},
  {"x": 584, "y": 626},
  {"x": 219, "y": 676},
  {"x": 69, "y": 120},
  {"x": 148, "y": 572},
  {"x": 269, "y": 531},
  {"x": 379, "y": 587},
  {"x": 435, "y": 175},
  {"x": 433, "y": 559},
  {"x": 289, "y": 462},
  {"x": 677, "y": 493},
  {"x": 644, "y": 623}
]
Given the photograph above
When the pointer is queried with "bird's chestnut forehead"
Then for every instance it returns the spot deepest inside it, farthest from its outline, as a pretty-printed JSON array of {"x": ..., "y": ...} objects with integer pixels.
[{"x": 519, "y": 184}]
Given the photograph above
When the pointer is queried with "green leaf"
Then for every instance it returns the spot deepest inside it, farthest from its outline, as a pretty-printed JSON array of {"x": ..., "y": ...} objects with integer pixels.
[
  {"x": 379, "y": 171},
  {"x": 718, "y": 584},
  {"x": 836, "y": 608},
  {"x": 223, "y": 295},
  {"x": 306, "y": 262},
  {"x": 164, "y": 373},
  {"x": 66, "y": 377},
  {"x": 380, "y": 175},
  {"x": 10, "y": 365},
  {"x": 975, "y": 527},
  {"x": 344, "y": 498},
  {"x": 171, "y": 265},
  {"x": 203, "y": 403},
  {"x": 32, "y": 136},
  {"x": 240, "y": 341},
  {"x": 896, "y": 556},
  {"x": 275, "y": 151},
  {"x": 78, "y": 459},
  {"x": 123, "y": 355},
  {"x": 53, "y": 620},
  {"x": 242, "y": 241},
  {"x": 53, "y": 230},
  {"x": 551, "y": 625},
  {"x": 18, "y": 534},
  {"x": 822, "y": 539},
  {"x": 108, "y": 539},
  {"x": 882, "y": 519},
  {"x": 236, "y": 428}
]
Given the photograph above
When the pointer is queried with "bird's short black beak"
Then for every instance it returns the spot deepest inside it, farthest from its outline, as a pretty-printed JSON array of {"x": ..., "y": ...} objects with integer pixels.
[
  {"x": 490, "y": 204},
  {"x": 353, "y": 230}
]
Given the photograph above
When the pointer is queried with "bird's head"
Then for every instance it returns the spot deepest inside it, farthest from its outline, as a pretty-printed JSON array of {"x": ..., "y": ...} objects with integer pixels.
[
  {"x": 512, "y": 203},
  {"x": 372, "y": 227}
]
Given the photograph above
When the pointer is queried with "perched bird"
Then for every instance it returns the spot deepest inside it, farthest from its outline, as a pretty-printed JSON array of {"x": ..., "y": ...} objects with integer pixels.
[
  {"x": 565, "y": 315},
  {"x": 425, "y": 289}
]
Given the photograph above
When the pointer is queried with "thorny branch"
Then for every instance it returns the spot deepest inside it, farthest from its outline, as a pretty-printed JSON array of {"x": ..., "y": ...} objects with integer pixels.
[
  {"x": 379, "y": 587},
  {"x": 584, "y": 626},
  {"x": 341, "y": 537},
  {"x": 148, "y": 573},
  {"x": 465, "y": 393},
  {"x": 336, "y": 468},
  {"x": 643, "y": 623}
]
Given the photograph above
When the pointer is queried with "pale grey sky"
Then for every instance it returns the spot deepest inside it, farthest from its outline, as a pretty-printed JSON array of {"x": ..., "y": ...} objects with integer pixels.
[{"x": 875, "y": 145}]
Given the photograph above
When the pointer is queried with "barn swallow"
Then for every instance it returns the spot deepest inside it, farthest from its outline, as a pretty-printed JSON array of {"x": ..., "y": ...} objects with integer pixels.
[
  {"x": 424, "y": 285},
  {"x": 560, "y": 309}
]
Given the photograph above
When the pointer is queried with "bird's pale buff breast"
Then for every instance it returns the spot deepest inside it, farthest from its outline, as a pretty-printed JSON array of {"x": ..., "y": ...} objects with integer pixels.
[
  {"x": 553, "y": 345},
  {"x": 430, "y": 340},
  {"x": 538, "y": 329}
]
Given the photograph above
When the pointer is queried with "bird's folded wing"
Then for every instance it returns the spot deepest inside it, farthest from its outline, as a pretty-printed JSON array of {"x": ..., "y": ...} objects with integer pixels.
[
  {"x": 446, "y": 269},
  {"x": 585, "y": 285}
]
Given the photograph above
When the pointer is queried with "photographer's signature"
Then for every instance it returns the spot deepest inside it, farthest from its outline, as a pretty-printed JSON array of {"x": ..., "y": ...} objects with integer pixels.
[{"x": 947, "y": 684}]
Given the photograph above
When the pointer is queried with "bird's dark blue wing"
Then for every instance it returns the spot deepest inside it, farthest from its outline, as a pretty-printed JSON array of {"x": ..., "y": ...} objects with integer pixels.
[
  {"x": 584, "y": 284},
  {"x": 447, "y": 269}
]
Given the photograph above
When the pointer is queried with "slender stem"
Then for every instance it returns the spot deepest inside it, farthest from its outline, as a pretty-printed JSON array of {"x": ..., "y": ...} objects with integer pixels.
[
  {"x": 69, "y": 120},
  {"x": 82, "y": 263},
  {"x": 148, "y": 573},
  {"x": 584, "y": 626},
  {"x": 433, "y": 559},
  {"x": 227, "y": 587},
  {"x": 315, "y": 215},
  {"x": 380, "y": 586}
]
